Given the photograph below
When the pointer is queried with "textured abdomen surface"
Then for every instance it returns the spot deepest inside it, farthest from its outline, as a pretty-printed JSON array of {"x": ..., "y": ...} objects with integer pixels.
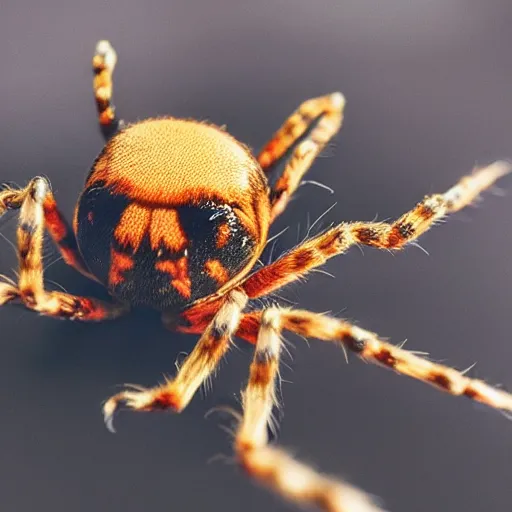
[{"x": 172, "y": 211}]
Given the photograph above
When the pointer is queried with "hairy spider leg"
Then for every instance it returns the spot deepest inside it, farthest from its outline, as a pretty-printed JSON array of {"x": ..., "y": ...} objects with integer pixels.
[
  {"x": 38, "y": 209},
  {"x": 176, "y": 393},
  {"x": 103, "y": 65},
  {"x": 382, "y": 235},
  {"x": 269, "y": 465},
  {"x": 317, "y": 250},
  {"x": 316, "y": 121}
]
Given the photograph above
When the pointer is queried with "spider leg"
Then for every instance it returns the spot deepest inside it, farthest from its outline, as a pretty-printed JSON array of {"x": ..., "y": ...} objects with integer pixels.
[
  {"x": 103, "y": 64},
  {"x": 269, "y": 465},
  {"x": 54, "y": 221},
  {"x": 371, "y": 348},
  {"x": 394, "y": 236},
  {"x": 322, "y": 117},
  {"x": 37, "y": 207},
  {"x": 176, "y": 393}
]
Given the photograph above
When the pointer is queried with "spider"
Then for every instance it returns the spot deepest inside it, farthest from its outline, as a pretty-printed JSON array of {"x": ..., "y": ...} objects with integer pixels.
[{"x": 174, "y": 215}]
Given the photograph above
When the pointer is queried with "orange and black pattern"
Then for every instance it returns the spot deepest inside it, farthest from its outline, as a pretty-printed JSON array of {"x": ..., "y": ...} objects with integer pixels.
[
  {"x": 174, "y": 215},
  {"x": 159, "y": 226},
  {"x": 157, "y": 256}
]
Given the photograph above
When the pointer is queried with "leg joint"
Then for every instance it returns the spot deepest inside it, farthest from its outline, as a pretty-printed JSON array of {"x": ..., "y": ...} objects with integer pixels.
[
  {"x": 271, "y": 318},
  {"x": 39, "y": 187}
]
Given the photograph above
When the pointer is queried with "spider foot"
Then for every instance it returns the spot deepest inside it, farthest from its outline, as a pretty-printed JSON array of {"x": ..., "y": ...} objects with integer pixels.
[
  {"x": 12, "y": 198},
  {"x": 137, "y": 398},
  {"x": 103, "y": 63},
  {"x": 105, "y": 56},
  {"x": 470, "y": 187}
]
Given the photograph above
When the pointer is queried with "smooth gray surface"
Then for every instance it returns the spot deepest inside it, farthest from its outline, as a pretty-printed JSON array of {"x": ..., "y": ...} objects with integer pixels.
[{"x": 428, "y": 86}]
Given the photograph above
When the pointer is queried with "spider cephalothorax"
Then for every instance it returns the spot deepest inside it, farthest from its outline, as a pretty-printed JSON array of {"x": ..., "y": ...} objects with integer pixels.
[{"x": 174, "y": 215}]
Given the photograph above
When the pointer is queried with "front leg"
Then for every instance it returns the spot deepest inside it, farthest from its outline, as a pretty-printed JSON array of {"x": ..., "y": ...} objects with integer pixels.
[
  {"x": 175, "y": 394},
  {"x": 382, "y": 235},
  {"x": 36, "y": 204}
]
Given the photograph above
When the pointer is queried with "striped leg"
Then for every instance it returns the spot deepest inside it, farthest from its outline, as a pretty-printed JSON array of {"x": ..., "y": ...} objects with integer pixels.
[
  {"x": 269, "y": 465},
  {"x": 175, "y": 394},
  {"x": 371, "y": 348},
  {"x": 383, "y": 235},
  {"x": 54, "y": 221},
  {"x": 103, "y": 64},
  {"x": 322, "y": 117},
  {"x": 36, "y": 204}
]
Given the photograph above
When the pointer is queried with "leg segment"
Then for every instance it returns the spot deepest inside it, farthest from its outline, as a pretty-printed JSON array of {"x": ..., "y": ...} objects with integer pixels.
[
  {"x": 323, "y": 117},
  {"x": 273, "y": 467},
  {"x": 54, "y": 221},
  {"x": 176, "y": 394},
  {"x": 103, "y": 64},
  {"x": 383, "y": 235},
  {"x": 371, "y": 348},
  {"x": 35, "y": 202}
]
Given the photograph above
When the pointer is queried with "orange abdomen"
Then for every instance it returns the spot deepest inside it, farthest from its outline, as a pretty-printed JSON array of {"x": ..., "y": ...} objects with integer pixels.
[{"x": 172, "y": 211}]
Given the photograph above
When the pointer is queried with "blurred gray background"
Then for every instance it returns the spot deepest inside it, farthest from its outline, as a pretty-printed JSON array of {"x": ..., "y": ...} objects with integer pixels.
[{"x": 428, "y": 86}]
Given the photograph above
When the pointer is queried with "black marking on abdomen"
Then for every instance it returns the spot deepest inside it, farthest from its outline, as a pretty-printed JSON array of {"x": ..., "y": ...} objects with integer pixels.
[
  {"x": 144, "y": 284},
  {"x": 95, "y": 239}
]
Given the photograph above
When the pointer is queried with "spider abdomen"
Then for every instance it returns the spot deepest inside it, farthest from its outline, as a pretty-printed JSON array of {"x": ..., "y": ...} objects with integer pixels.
[{"x": 172, "y": 211}]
